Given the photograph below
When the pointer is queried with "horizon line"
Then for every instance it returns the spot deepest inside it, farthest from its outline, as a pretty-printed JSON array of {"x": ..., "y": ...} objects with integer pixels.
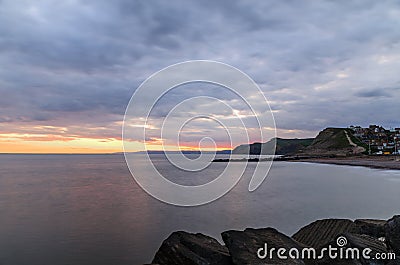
[{"x": 107, "y": 153}]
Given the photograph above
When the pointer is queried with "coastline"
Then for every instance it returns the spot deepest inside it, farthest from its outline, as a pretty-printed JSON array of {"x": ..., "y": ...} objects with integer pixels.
[
  {"x": 371, "y": 162},
  {"x": 377, "y": 162}
]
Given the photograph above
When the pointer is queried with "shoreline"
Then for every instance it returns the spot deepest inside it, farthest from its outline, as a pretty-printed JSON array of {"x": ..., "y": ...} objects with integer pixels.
[
  {"x": 376, "y": 162},
  {"x": 371, "y": 162}
]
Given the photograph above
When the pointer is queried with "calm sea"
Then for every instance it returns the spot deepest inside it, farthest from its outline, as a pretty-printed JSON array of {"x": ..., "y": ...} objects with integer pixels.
[{"x": 87, "y": 209}]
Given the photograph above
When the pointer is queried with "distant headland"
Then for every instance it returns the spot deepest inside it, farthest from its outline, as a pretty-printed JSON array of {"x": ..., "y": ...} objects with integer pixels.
[
  {"x": 354, "y": 140},
  {"x": 373, "y": 146}
]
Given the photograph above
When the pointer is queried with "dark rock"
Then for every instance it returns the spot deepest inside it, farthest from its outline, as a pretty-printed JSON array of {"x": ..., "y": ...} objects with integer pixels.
[
  {"x": 322, "y": 232},
  {"x": 362, "y": 242},
  {"x": 359, "y": 242},
  {"x": 371, "y": 227},
  {"x": 182, "y": 248},
  {"x": 392, "y": 232},
  {"x": 394, "y": 262},
  {"x": 337, "y": 262},
  {"x": 243, "y": 246}
]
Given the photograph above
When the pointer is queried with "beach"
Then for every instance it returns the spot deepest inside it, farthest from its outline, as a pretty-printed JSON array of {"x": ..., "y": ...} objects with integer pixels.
[{"x": 380, "y": 162}]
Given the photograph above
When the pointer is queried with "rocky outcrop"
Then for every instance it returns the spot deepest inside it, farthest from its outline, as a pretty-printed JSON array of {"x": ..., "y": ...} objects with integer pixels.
[
  {"x": 182, "y": 248},
  {"x": 322, "y": 232},
  {"x": 392, "y": 232},
  {"x": 364, "y": 241},
  {"x": 394, "y": 262},
  {"x": 359, "y": 242},
  {"x": 244, "y": 245},
  {"x": 254, "y": 246},
  {"x": 371, "y": 227}
]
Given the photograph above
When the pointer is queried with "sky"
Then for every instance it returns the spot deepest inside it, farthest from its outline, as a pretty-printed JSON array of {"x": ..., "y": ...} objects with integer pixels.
[{"x": 69, "y": 68}]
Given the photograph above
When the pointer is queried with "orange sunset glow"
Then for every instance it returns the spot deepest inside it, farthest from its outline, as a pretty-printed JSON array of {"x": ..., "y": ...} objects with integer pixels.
[
  {"x": 46, "y": 144},
  {"x": 13, "y": 143}
]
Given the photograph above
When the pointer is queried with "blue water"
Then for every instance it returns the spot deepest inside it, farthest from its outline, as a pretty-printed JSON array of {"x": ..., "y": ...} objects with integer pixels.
[{"x": 87, "y": 209}]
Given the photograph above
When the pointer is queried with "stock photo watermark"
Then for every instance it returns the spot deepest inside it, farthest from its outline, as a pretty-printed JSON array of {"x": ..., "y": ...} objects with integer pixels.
[
  {"x": 138, "y": 128},
  {"x": 339, "y": 252}
]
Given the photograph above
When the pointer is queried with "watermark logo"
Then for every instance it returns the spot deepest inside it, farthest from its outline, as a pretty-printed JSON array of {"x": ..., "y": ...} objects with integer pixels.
[
  {"x": 339, "y": 252},
  {"x": 341, "y": 241},
  {"x": 247, "y": 116}
]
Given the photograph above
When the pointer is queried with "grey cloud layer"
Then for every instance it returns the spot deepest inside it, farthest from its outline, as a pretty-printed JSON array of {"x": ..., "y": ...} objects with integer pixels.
[{"x": 320, "y": 63}]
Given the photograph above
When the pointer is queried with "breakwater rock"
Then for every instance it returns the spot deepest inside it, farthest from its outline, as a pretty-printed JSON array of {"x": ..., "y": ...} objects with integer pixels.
[{"x": 327, "y": 241}]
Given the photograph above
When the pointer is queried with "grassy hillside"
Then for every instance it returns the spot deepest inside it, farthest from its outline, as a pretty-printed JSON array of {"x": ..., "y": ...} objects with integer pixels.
[
  {"x": 330, "y": 141},
  {"x": 334, "y": 141},
  {"x": 292, "y": 146},
  {"x": 356, "y": 140},
  {"x": 283, "y": 147}
]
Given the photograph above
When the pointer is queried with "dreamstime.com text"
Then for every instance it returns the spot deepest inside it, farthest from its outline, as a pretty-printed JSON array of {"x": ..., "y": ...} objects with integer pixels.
[{"x": 340, "y": 252}]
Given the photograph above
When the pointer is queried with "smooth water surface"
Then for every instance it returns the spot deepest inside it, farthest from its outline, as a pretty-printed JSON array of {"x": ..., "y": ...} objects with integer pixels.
[{"x": 87, "y": 209}]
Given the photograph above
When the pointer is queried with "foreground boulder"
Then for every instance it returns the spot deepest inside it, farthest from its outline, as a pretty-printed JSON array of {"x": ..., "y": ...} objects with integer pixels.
[
  {"x": 254, "y": 246},
  {"x": 182, "y": 248},
  {"x": 395, "y": 262},
  {"x": 355, "y": 242},
  {"x": 244, "y": 245},
  {"x": 392, "y": 231},
  {"x": 371, "y": 227},
  {"x": 362, "y": 242},
  {"x": 322, "y": 232}
]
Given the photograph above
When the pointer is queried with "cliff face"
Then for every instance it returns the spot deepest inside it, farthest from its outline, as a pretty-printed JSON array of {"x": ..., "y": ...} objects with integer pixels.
[
  {"x": 283, "y": 147},
  {"x": 330, "y": 141}
]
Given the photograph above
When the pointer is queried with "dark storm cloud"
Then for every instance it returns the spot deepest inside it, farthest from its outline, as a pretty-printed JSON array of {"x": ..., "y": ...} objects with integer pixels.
[
  {"x": 318, "y": 62},
  {"x": 377, "y": 93}
]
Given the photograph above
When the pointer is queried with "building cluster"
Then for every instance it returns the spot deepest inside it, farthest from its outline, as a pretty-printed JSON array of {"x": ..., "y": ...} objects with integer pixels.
[{"x": 379, "y": 140}]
